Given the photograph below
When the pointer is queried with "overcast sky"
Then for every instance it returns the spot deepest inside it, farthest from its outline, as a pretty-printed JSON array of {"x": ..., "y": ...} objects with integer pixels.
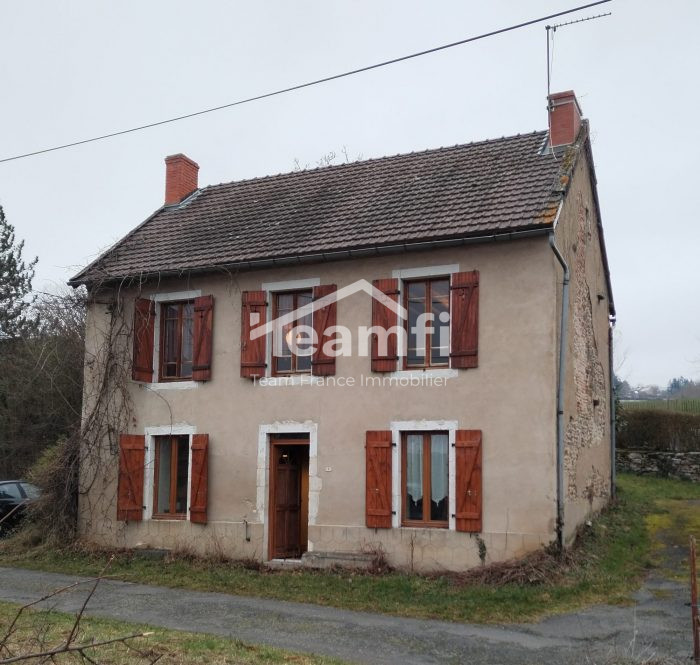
[{"x": 70, "y": 70}]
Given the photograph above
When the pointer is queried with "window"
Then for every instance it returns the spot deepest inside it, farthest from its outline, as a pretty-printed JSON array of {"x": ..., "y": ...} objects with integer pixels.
[
  {"x": 421, "y": 298},
  {"x": 176, "y": 340},
  {"x": 10, "y": 491},
  {"x": 172, "y": 461},
  {"x": 424, "y": 464},
  {"x": 288, "y": 355}
]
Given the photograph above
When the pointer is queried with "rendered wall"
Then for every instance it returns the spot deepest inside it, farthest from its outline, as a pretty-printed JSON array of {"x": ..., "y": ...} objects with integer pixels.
[{"x": 510, "y": 397}]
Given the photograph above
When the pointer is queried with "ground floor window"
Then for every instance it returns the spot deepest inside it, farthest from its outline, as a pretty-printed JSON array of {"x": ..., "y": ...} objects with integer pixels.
[
  {"x": 172, "y": 461},
  {"x": 425, "y": 478}
]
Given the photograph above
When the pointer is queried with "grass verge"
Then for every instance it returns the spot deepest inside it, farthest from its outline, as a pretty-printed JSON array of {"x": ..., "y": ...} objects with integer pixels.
[
  {"x": 611, "y": 560},
  {"x": 39, "y": 630}
]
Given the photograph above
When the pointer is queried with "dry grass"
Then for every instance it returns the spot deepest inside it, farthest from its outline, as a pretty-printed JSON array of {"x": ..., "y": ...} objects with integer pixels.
[{"x": 43, "y": 629}]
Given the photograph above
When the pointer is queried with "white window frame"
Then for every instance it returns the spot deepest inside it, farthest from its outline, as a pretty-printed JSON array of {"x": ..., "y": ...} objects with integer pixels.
[
  {"x": 158, "y": 299},
  {"x": 270, "y": 289},
  {"x": 150, "y": 466},
  {"x": 403, "y": 274},
  {"x": 397, "y": 429}
]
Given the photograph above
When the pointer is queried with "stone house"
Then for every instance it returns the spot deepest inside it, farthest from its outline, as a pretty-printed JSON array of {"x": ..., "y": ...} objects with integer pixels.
[{"x": 280, "y": 398}]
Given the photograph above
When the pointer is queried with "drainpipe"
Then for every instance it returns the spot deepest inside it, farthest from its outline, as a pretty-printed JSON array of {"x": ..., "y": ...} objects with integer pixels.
[
  {"x": 613, "y": 433},
  {"x": 563, "y": 332}
]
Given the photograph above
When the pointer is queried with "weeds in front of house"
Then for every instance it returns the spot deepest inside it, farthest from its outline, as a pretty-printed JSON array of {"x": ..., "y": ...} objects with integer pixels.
[{"x": 610, "y": 560}]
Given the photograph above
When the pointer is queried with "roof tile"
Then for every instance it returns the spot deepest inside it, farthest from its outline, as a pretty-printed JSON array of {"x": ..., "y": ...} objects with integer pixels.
[{"x": 496, "y": 186}]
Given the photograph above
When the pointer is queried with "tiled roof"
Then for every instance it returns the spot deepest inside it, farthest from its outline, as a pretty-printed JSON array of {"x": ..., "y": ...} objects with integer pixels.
[{"x": 490, "y": 187}]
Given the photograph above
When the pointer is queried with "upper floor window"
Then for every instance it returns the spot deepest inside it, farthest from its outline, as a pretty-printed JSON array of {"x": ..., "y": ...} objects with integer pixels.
[
  {"x": 176, "y": 340},
  {"x": 428, "y": 326},
  {"x": 290, "y": 355}
]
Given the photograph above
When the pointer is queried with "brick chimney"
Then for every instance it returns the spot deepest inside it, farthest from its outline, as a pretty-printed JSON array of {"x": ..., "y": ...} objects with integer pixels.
[
  {"x": 564, "y": 118},
  {"x": 180, "y": 178}
]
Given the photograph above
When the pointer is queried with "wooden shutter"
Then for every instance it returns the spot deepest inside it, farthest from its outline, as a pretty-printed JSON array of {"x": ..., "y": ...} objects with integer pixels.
[
  {"x": 378, "y": 479},
  {"x": 144, "y": 331},
  {"x": 253, "y": 350},
  {"x": 203, "y": 333},
  {"x": 468, "y": 480},
  {"x": 200, "y": 478},
  {"x": 386, "y": 318},
  {"x": 324, "y": 318},
  {"x": 464, "y": 319},
  {"x": 132, "y": 450}
]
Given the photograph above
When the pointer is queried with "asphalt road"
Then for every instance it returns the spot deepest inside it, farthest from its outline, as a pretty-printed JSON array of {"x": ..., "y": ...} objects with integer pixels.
[{"x": 657, "y": 626}]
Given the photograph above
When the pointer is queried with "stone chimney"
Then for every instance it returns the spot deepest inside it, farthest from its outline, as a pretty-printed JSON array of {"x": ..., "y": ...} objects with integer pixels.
[
  {"x": 564, "y": 118},
  {"x": 180, "y": 178}
]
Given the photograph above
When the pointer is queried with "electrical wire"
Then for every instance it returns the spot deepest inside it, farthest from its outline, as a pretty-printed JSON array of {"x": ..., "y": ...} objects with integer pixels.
[{"x": 300, "y": 86}]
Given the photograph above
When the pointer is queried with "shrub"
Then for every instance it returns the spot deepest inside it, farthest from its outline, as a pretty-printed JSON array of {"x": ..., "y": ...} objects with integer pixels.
[{"x": 665, "y": 431}]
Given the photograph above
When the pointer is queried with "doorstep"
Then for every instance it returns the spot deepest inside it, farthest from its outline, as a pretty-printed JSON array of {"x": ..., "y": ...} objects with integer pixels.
[
  {"x": 284, "y": 564},
  {"x": 361, "y": 560}
]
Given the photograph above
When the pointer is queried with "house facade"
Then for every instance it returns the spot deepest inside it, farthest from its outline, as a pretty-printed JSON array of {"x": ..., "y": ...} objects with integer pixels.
[{"x": 263, "y": 412}]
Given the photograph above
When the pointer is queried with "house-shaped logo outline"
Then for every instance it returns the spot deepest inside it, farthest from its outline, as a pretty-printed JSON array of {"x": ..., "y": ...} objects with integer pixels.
[{"x": 300, "y": 312}]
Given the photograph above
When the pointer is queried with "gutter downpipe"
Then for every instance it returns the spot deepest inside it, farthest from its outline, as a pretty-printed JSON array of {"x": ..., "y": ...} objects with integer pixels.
[
  {"x": 613, "y": 415},
  {"x": 563, "y": 339}
]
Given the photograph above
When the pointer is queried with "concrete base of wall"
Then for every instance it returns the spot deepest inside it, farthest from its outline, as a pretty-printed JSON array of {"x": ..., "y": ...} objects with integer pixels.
[{"x": 421, "y": 550}]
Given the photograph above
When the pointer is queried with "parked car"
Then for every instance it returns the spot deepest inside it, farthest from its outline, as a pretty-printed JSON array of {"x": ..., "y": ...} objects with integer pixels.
[{"x": 15, "y": 495}]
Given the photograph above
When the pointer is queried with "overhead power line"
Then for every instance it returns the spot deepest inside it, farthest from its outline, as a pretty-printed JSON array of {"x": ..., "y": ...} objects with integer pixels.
[{"x": 308, "y": 84}]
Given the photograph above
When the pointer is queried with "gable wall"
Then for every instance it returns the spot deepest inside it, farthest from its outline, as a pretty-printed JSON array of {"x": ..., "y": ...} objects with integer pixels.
[{"x": 587, "y": 424}]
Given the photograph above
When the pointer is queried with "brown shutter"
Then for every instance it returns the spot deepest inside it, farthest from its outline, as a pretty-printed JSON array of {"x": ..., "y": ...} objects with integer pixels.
[
  {"x": 132, "y": 450},
  {"x": 468, "y": 480},
  {"x": 200, "y": 478},
  {"x": 144, "y": 331},
  {"x": 324, "y": 318},
  {"x": 252, "y": 351},
  {"x": 203, "y": 330},
  {"x": 378, "y": 479},
  {"x": 386, "y": 318},
  {"x": 464, "y": 319}
]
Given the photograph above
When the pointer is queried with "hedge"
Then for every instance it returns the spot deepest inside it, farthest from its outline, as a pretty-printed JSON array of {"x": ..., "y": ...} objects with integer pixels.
[{"x": 651, "y": 429}]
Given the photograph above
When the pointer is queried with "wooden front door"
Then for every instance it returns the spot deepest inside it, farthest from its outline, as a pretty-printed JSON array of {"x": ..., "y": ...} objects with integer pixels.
[{"x": 288, "y": 499}]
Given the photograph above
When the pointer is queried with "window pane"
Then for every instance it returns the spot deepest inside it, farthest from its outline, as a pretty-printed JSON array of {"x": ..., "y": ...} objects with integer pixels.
[
  {"x": 440, "y": 343},
  {"x": 416, "y": 342},
  {"x": 183, "y": 456},
  {"x": 285, "y": 303},
  {"x": 187, "y": 339},
  {"x": 284, "y": 364},
  {"x": 303, "y": 360},
  {"x": 414, "y": 476},
  {"x": 163, "y": 451},
  {"x": 440, "y": 290},
  {"x": 170, "y": 342},
  {"x": 438, "y": 477},
  {"x": 304, "y": 298},
  {"x": 416, "y": 291}
]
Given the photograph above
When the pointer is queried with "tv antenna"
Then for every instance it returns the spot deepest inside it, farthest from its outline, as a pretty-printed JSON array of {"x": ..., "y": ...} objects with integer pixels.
[{"x": 550, "y": 30}]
